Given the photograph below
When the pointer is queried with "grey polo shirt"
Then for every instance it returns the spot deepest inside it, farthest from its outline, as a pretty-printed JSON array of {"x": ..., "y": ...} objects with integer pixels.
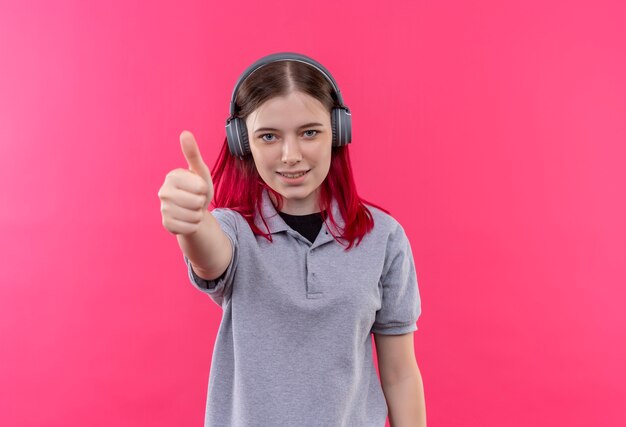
[{"x": 294, "y": 346}]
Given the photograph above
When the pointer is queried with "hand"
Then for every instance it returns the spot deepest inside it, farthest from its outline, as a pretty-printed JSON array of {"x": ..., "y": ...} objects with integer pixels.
[{"x": 186, "y": 194}]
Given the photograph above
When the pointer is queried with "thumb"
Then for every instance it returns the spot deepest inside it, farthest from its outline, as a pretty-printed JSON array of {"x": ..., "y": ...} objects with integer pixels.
[{"x": 193, "y": 156}]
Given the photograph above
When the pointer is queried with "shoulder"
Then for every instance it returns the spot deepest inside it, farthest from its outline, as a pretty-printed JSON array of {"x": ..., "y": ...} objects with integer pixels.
[
  {"x": 228, "y": 217},
  {"x": 384, "y": 223},
  {"x": 226, "y": 213},
  {"x": 388, "y": 233}
]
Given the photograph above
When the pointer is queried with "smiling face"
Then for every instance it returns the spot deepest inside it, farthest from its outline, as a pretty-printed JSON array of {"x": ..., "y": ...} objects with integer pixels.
[{"x": 289, "y": 135}]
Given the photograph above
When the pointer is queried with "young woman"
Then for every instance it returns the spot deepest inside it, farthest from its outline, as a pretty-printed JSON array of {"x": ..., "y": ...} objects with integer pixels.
[{"x": 303, "y": 268}]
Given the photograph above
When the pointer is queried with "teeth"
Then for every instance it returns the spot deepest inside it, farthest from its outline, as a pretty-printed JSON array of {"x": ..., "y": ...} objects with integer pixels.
[{"x": 293, "y": 176}]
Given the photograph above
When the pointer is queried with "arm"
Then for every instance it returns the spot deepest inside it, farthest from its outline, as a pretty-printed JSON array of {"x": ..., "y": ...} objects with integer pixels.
[
  {"x": 401, "y": 380},
  {"x": 209, "y": 249}
]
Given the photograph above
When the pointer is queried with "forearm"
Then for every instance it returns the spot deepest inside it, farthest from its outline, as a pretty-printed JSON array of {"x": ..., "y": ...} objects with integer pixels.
[
  {"x": 207, "y": 248},
  {"x": 405, "y": 400}
]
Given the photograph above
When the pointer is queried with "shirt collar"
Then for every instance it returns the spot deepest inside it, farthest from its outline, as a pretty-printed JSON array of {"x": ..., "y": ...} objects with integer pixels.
[{"x": 276, "y": 224}]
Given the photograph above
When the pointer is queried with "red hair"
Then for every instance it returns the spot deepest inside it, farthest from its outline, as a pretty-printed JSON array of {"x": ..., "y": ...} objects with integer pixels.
[{"x": 238, "y": 185}]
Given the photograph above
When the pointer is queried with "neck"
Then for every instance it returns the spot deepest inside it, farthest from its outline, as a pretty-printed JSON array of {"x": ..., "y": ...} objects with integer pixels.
[{"x": 291, "y": 208}]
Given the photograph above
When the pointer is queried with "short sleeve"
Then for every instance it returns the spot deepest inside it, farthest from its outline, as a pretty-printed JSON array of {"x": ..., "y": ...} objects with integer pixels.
[
  {"x": 401, "y": 304},
  {"x": 219, "y": 289}
]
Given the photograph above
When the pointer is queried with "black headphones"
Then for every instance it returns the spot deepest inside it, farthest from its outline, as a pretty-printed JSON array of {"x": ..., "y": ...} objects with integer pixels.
[{"x": 236, "y": 133}]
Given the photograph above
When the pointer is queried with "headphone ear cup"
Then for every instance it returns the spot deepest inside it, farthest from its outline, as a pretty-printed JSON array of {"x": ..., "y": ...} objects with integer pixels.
[
  {"x": 237, "y": 135},
  {"x": 341, "y": 122}
]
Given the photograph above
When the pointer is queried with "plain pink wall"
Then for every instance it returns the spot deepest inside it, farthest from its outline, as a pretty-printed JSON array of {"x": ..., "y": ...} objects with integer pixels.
[{"x": 493, "y": 131}]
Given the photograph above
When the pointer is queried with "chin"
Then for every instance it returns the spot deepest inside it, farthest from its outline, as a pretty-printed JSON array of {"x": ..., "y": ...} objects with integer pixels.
[
  {"x": 295, "y": 195},
  {"x": 295, "y": 192}
]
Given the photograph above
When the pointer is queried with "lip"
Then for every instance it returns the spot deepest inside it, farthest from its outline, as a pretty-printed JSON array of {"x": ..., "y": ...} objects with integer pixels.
[
  {"x": 294, "y": 172},
  {"x": 296, "y": 181}
]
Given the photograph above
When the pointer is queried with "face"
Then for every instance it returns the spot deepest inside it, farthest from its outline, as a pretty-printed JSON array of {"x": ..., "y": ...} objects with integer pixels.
[{"x": 289, "y": 135}]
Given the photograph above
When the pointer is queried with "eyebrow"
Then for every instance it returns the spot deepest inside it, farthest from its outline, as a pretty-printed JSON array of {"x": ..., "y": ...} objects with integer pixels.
[{"x": 273, "y": 129}]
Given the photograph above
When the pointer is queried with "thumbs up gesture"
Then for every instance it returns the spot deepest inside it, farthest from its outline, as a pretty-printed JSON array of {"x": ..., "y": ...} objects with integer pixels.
[{"x": 186, "y": 193}]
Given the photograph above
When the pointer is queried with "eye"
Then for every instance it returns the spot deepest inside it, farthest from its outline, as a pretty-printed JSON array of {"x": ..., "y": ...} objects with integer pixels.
[
  {"x": 266, "y": 134},
  {"x": 311, "y": 130}
]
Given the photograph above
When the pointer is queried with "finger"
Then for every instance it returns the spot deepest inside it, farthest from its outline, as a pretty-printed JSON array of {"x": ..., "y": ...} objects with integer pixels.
[
  {"x": 185, "y": 180},
  {"x": 190, "y": 200},
  {"x": 193, "y": 156},
  {"x": 179, "y": 213}
]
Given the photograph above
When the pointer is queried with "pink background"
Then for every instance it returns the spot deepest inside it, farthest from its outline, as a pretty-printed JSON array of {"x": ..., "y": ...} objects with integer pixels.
[{"x": 493, "y": 131}]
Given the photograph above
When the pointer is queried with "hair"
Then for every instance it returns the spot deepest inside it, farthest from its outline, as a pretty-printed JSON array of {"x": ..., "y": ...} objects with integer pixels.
[{"x": 238, "y": 185}]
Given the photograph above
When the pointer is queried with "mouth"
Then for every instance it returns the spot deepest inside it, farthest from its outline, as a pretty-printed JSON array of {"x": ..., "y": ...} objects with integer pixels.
[{"x": 293, "y": 175}]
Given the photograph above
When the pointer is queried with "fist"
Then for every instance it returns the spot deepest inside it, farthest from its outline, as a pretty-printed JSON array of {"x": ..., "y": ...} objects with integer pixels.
[{"x": 186, "y": 193}]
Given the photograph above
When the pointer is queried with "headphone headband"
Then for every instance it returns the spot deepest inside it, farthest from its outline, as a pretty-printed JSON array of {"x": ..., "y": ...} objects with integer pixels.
[{"x": 283, "y": 56}]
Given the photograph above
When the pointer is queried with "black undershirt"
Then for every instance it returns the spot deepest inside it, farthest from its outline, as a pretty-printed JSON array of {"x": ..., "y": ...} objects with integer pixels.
[{"x": 308, "y": 226}]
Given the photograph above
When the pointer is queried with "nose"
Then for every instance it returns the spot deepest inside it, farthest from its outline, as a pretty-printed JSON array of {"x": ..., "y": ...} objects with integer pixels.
[{"x": 291, "y": 151}]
